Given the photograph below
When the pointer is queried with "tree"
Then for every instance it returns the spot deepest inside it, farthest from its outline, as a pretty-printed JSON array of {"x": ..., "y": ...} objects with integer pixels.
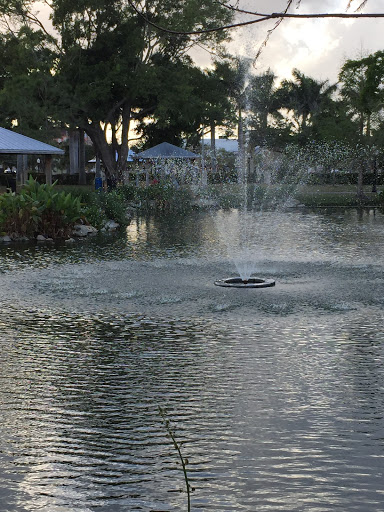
[
  {"x": 362, "y": 83},
  {"x": 217, "y": 107},
  {"x": 234, "y": 72},
  {"x": 303, "y": 98},
  {"x": 334, "y": 123},
  {"x": 267, "y": 126},
  {"x": 180, "y": 98},
  {"x": 108, "y": 62},
  {"x": 25, "y": 64},
  {"x": 121, "y": 55}
]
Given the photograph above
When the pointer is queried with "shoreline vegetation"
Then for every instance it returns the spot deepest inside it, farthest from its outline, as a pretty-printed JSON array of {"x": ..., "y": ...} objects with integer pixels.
[{"x": 48, "y": 212}]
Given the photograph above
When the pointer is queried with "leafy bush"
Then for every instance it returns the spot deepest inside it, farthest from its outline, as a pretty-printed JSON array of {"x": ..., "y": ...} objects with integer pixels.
[
  {"x": 114, "y": 206},
  {"x": 95, "y": 214},
  {"x": 166, "y": 197},
  {"x": 101, "y": 205},
  {"x": 128, "y": 192},
  {"x": 39, "y": 209}
]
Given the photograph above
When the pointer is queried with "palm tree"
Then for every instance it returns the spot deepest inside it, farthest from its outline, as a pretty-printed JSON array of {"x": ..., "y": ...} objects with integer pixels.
[
  {"x": 362, "y": 83},
  {"x": 304, "y": 97},
  {"x": 262, "y": 104},
  {"x": 235, "y": 73}
]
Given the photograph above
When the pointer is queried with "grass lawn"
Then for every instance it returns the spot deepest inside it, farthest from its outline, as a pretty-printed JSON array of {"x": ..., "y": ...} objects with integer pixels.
[
  {"x": 335, "y": 195},
  {"x": 309, "y": 195}
]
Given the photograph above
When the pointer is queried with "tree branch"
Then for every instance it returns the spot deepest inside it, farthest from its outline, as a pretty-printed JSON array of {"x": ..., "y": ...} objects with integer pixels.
[{"x": 261, "y": 18}]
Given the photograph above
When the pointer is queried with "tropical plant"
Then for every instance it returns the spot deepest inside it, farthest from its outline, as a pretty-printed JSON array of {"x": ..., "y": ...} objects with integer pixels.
[{"x": 39, "y": 209}]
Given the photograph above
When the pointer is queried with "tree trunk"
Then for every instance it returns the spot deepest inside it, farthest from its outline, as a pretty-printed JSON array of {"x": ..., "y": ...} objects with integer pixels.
[
  {"x": 368, "y": 125},
  {"x": 204, "y": 179},
  {"x": 360, "y": 182},
  {"x": 374, "y": 169},
  {"x": 124, "y": 149},
  {"x": 361, "y": 124},
  {"x": 82, "y": 175},
  {"x": 241, "y": 150},
  {"x": 213, "y": 149},
  {"x": 73, "y": 152},
  {"x": 102, "y": 148}
]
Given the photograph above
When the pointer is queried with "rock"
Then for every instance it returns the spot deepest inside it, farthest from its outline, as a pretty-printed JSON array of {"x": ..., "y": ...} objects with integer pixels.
[
  {"x": 69, "y": 241},
  {"x": 16, "y": 238},
  {"x": 40, "y": 238},
  {"x": 92, "y": 230},
  {"x": 111, "y": 225},
  {"x": 83, "y": 230},
  {"x": 5, "y": 238}
]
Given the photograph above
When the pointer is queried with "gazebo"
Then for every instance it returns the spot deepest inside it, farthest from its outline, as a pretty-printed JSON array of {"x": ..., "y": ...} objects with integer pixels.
[
  {"x": 12, "y": 143},
  {"x": 162, "y": 153},
  {"x": 165, "y": 150}
]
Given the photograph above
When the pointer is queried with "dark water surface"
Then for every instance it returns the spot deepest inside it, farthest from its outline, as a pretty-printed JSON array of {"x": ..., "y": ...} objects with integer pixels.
[{"x": 277, "y": 395}]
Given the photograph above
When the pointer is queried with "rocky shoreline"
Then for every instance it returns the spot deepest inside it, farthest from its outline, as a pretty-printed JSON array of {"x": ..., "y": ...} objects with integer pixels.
[{"x": 78, "y": 231}]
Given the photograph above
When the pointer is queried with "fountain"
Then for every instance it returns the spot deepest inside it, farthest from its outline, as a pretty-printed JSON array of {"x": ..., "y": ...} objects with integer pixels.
[
  {"x": 238, "y": 282},
  {"x": 242, "y": 231}
]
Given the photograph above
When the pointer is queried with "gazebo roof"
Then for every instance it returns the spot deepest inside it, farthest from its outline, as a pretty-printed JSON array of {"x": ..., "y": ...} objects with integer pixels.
[
  {"x": 14, "y": 143},
  {"x": 165, "y": 150}
]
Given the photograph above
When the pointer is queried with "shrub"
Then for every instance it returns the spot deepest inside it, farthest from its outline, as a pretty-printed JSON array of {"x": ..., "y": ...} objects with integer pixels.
[
  {"x": 165, "y": 197},
  {"x": 39, "y": 209},
  {"x": 114, "y": 205},
  {"x": 128, "y": 192},
  {"x": 100, "y": 205}
]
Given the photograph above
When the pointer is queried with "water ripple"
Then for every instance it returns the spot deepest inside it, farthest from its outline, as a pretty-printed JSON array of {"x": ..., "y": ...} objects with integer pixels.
[{"x": 289, "y": 419}]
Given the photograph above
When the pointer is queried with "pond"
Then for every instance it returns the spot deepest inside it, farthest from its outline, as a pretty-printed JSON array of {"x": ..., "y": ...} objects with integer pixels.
[{"x": 276, "y": 395}]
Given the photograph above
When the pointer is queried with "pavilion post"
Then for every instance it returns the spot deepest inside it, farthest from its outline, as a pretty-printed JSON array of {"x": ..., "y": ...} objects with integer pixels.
[
  {"x": 48, "y": 169},
  {"x": 20, "y": 171}
]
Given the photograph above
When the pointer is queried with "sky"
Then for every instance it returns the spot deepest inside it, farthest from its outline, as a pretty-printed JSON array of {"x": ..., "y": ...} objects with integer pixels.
[{"x": 318, "y": 47}]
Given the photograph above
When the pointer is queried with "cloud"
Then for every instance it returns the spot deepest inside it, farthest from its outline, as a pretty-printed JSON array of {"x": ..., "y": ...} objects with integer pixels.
[{"x": 316, "y": 47}]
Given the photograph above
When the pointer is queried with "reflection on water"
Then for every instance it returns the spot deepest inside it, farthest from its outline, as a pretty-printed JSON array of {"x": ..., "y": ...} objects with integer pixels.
[
  {"x": 281, "y": 413},
  {"x": 323, "y": 235}
]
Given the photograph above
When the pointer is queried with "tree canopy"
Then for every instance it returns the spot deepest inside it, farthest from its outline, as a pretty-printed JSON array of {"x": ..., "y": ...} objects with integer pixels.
[{"x": 107, "y": 65}]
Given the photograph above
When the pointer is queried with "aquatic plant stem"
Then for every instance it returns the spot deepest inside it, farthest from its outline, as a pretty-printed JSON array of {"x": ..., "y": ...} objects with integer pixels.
[{"x": 177, "y": 447}]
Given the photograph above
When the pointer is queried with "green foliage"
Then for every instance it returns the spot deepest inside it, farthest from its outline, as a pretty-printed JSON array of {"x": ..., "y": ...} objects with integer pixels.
[
  {"x": 99, "y": 206},
  {"x": 95, "y": 214},
  {"x": 362, "y": 83},
  {"x": 25, "y": 73},
  {"x": 257, "y": 197},
  {"x": 39, "y": 209},
  {"x": 304, "y": 98},
  {"x": 114, "y": 206},
  {"x": 128, "y": 192},
  {"x": 164, "y": 197},
  {"x": 340, "y": 197}
]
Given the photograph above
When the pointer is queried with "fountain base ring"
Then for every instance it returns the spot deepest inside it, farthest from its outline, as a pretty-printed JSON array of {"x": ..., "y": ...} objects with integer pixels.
[{"x": 252, "y": 282}]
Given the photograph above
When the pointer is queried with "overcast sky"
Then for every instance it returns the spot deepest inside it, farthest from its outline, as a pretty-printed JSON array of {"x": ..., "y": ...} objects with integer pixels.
[{"x": 316, "y": 47}]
